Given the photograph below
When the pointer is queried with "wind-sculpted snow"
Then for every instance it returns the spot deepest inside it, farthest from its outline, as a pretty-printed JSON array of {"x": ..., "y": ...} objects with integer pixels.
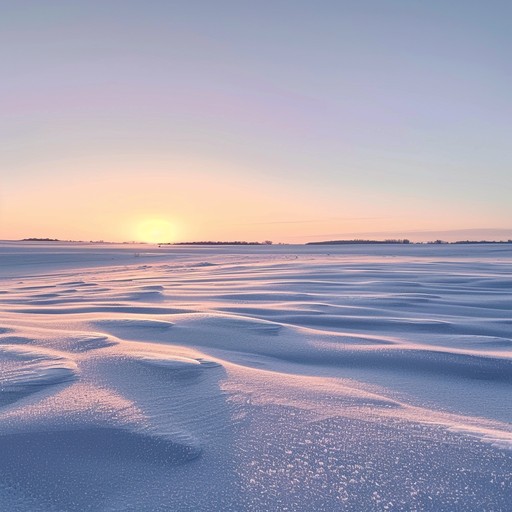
[
  {"x": 25, "y": 370},
  {"x": 255, "y": 378}
]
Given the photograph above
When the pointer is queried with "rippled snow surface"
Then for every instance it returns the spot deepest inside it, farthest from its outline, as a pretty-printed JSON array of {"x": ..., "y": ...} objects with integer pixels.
[{"x": 283, "y": 378}]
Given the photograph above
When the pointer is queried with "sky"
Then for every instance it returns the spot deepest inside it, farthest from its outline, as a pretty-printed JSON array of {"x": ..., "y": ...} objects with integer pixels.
[{"x": 286, "y": 120}]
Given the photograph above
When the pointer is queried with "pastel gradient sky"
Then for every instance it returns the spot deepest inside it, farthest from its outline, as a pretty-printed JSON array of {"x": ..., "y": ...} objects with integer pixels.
[{"x": 286, "y": 120}]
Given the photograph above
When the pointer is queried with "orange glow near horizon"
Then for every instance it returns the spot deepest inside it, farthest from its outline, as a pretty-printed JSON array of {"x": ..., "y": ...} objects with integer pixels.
[{"x": 188, "y": 199}]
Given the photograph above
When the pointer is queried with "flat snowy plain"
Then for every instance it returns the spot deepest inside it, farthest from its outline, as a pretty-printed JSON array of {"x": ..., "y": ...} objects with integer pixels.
[{"x": 281, "y": 378}]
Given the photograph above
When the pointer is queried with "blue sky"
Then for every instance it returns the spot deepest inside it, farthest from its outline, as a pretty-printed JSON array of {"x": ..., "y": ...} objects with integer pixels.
[{"x": 319, "y": 117}]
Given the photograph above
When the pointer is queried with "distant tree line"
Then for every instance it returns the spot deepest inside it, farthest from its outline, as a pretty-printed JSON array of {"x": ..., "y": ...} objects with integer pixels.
[
  {"x": 67, "y": 241},
  {"x": 360, "y": 241},
  {"x": 356, "y": 241},
  {"x": 210, "y": 242},
  {"x": 483, "y": 242},
  {"x": 40, "y": 240},
  {"x": 472, "y": 242}
]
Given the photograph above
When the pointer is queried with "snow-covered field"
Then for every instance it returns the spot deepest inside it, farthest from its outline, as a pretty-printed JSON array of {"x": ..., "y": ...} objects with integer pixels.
[{"x": 299, "y": 378}]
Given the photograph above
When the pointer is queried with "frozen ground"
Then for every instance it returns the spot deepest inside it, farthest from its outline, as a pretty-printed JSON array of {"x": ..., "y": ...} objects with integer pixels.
[{"x": 299, "y": 378}]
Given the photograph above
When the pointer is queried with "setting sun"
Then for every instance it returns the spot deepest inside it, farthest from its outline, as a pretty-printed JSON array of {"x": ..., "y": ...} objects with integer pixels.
[{"x": 154, "y": 231}]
